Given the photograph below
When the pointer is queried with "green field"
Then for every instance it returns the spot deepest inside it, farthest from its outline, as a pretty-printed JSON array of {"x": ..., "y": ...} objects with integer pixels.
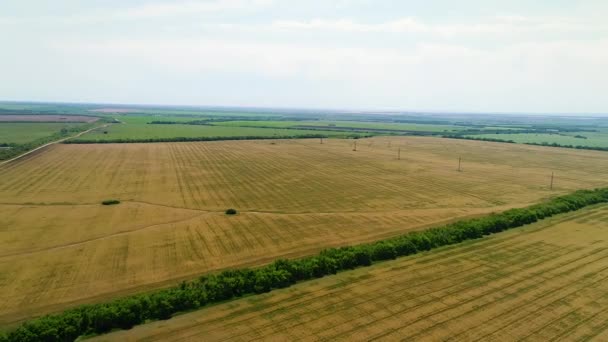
[
  {"x": 348, "y": 124},
  {"x": 144, "y": 119},
  {"x": 594, "y": 139},
  {"x": 189, "y": 112},
  {"x": 145, "y": 131},
  {"x": 21, "y": 133}
]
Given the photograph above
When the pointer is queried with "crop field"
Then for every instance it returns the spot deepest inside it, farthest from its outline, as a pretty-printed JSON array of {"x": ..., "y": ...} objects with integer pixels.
[
  {"x": 174, "y": 111},
  {"x": 543, "y": 282},
  {"x": 593, "y": 139},
  {"x": 61, "y": 247},
  {"x": 21, "y": 133},
  {"x": 47, "y": 118},
  {"x": 145, "y": 131},
  {"x": 347, "y": 124}
]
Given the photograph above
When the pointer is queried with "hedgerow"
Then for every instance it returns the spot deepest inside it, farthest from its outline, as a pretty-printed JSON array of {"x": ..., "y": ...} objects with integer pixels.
[
  {"x": 162, "y": 304},
  {"x": 578, "y": 147},
  {"x": 186, "y": 139}
]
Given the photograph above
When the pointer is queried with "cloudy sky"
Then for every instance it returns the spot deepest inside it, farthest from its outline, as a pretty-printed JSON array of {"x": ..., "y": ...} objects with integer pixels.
[{"x": 434, "y": 55}]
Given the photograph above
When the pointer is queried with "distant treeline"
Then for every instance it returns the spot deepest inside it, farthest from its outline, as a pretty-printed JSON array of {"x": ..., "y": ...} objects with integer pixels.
[
  {"x": 209, "y": 120},
  {"x": 478, "y": 138},
  {"x": 578, "y": 147},
  {"x": 193, "y": 122},
  {"x": 127, "y": 312},
  {"x": 300, "y": 128},
  {"x": 186, "y": 139}
]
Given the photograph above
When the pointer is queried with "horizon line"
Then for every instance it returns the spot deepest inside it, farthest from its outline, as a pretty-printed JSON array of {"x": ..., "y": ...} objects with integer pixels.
[{"x": 385, "y": 111}]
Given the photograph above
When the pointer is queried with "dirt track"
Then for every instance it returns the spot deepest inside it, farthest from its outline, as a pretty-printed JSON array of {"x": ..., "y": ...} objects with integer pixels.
[{"x": 49, "y": 144}]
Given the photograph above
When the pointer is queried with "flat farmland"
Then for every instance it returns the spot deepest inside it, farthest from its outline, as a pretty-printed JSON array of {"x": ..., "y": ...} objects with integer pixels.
[
  {"x": 593, "y": 139},
  {"x": 160, "y": 131},
  {"x": 543, "y": 282},
  {"x": 60, "y": 247},
  {"x": 46, "y": 118},
  {"x": 21, "y": 133}
]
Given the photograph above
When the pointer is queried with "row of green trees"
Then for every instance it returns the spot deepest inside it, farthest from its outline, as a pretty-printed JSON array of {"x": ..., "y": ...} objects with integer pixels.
[
  {"x": 162, "y": 304},
  {"x": 478, "y": 138},
  {"x": 185, "y": 139},
  {"x": 578, "y": 147},
  {"x": 193, "y": 122}
]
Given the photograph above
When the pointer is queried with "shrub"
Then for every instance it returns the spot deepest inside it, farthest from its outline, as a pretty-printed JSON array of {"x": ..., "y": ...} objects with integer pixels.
[
  {"x": 110, "y": 202},
  {"x": 231, "y": 211}
]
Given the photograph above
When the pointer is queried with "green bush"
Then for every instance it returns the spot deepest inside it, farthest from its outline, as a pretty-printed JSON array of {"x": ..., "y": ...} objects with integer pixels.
[
  {"x": 110, "y": 202},
  {"x": 231, "y": 211},
  {"x": 162, "y": 304}
]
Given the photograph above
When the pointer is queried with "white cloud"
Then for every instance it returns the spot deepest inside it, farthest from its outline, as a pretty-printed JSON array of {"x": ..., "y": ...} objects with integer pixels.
[
  {"x": 489, "y": 26},
  {"x": 146, "y": 11},
  {"x": 401, "y": 25},
  {"x": 515, "y": 62},
  {"x": 161, "y": 9},
  {"x": 284, "y": 59},
  {"x": 544, "y": 76}
]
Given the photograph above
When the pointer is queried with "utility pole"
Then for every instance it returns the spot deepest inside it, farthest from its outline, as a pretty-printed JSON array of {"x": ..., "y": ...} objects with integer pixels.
[
  {"x": 321, "y": 140},
  {"x": 399, "y": 154},
  {"x": 551, "y": 186},
  {"x": 355, "y": 146},
  {"x": 459, "y": 161}
]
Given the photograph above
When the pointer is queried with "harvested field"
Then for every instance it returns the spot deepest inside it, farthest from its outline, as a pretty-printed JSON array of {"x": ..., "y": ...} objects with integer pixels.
[
  {"x": 543, "y": 282},
  {"x": 61, "y": 247},
  {"x": 47, "y": 118}
]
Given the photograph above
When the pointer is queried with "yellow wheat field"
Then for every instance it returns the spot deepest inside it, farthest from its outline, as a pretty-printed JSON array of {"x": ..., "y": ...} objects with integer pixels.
[
  {"x": 61, "y": 248},
  {"x": 544, "y": 282}
]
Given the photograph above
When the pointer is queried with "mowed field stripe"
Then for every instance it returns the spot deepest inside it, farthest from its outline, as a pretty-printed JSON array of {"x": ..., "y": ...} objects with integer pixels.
[
  {"x": 543, "y": 282},
  {"x": 294, "y": 197}
]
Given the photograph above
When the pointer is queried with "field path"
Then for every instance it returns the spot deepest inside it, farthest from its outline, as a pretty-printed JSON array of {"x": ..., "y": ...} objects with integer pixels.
[
  {"x": 104, "y": 237},
  {"x": 170, "y": 225},
  {"x": 51, "y": 143}
]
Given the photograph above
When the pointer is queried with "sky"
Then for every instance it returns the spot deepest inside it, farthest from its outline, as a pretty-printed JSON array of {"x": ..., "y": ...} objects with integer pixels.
[{"x": 542, "y": 56}]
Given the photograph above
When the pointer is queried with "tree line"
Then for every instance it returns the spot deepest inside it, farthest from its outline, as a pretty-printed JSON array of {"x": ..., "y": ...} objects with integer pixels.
[
  {"x": 193, "y": 122},
  {"x": 162, "y": 304},
  {"x": 186, "y": 139},
  {"x": 578, "y": 147},
  {"x": 478, "y": 138}
]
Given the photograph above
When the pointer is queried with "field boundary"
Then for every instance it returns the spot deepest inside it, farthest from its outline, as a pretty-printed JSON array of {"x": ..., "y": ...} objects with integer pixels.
[
  {"x": 127, "y": 312},
  {"x": 192, "y": 139},
  {"x": 576, "y": 147}
]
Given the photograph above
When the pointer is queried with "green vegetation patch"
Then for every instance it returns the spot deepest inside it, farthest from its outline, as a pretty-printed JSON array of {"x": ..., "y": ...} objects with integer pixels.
[
  {"x": 19, "y": 138},
  {"x": 21, "y": 133},
  {"x": 592, "y": 139},
  {"x": 345, "y": 125},
  {"x": 161, "y": 132},
  {"x": 110, "y": 202}
]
